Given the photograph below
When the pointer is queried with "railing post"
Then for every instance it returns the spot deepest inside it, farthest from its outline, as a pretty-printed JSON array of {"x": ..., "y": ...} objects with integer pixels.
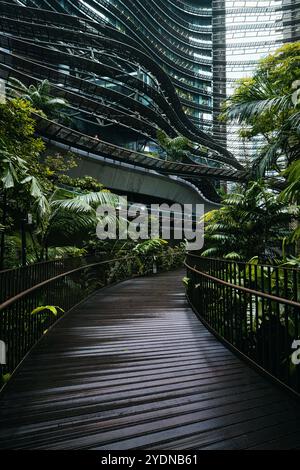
[
  {"x": 23, "y": 241},
  {"x": 256, "y": 313}
]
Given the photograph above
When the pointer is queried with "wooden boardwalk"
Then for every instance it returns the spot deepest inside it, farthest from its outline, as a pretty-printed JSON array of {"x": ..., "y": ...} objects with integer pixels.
[{"x": 133, "y": 368}]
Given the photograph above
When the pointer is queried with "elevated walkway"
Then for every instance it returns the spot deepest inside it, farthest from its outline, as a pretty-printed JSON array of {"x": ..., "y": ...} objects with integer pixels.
[{"x": 132, "y": 367}]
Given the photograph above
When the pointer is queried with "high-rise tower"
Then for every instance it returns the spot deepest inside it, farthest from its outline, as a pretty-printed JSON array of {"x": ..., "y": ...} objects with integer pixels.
[{"x": 244, "y": 32}]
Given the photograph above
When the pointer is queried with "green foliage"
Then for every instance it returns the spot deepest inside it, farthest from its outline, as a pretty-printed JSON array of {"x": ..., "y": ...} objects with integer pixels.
[
  {"x": 65, "y": 252},
  {"x": 252, "y": 221},
  {"x": 147, "y": 252},
  {"x": 40, "y": 98},
  {"x": 28, "y": 185},
  {"x": 17, "y": 132},
  {"x": 175, "y": 149},
  {"x": 291, "y": 194},
  {"x": 47, "y": 309},
  {"x": 60, "y": 163},
  {"x": 87, "y": 183},
  {"x": 292, "y": 191},
  {"x": 171, "y": 257},
  {"x": 5, "y": 378},
  {"x": 145, "y": 258},
  {"x": 44, "y": 312},
  {"x": 291, "y": 262},
  {"x": 147, "y": 247},
  {"x": 268, "y": 105},
  {"x": 19, "y": 152},
  {"x": 71, "y": 217}
]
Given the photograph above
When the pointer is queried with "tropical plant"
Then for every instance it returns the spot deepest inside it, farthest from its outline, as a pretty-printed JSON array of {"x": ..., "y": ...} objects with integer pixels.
[
  {"x": 174, "y": 149},
  {"x": 268, "y": 105},
  {"x": 252, "y": 221},
  {"x": 19, "y": 148},
  {"x": 20, "y": 185},
  {"x": 149, "y": 247},
  {"x": 39, "y": 96},
  {"x": 291, "y": 194},
  {"x": 87, "y": 183},
  {"x": 70, "y": 217},
  {"x": 148, "y": 251},
  {"x": 44, "y": 311},
  {"x": 292, "y": 191}
]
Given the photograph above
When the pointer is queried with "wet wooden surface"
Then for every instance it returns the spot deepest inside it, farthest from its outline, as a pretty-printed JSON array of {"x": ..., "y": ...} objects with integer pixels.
[{"x": 133, "y": 368}]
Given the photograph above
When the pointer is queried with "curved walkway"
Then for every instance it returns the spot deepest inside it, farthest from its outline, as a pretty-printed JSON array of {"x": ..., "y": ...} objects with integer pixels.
[{"x": 132, "y": 367}]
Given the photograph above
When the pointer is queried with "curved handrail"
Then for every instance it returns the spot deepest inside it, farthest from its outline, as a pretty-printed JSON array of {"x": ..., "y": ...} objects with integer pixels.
[
  {"x": 244, "y": 263},
  {"x": 41, "y": 263},
  {"x": 22, "y": 323},
  {"x": 90, "y": 144},
  {"x": 259, "y": 326},
  {"x": 21, "y": 327},
  {"x": 22, "y": 294},
  {"x": 15, "y": 280},
  {"x": 272, "y": 297}
]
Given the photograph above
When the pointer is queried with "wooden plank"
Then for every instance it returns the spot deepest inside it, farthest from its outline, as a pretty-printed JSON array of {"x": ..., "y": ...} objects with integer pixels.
[{"x": 132, "y": 367}]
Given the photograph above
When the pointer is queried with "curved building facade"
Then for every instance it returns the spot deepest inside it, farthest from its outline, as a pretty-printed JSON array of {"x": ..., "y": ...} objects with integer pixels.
[
  {"x": 95, "y": 50},
  {"x": 178, "y": 36},
  {"x": 131, "y": 67},
  {"x": 245, "y": 32},
  {"x": 127, "y": 69}
]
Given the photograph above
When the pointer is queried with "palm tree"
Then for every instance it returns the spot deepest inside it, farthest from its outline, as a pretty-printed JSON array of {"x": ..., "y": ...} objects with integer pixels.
[
  {"x": 16, "y": 179},
  {"x": 14, "y": 173},
  {"x": 40, "y": 98},
  {"x": 253, "y": 221},
  {"x": 70, "y": 216},
  {"x": 268, "y": 105},
  {"x": 259, "y": 101},
  {"x": 175, "y": 149},
  {"x": 291, "y": 194},
  {"x": 292, "y": 191}
]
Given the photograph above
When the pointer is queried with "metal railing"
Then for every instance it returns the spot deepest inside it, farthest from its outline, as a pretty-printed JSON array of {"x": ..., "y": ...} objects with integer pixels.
[
  {"x": 13, "y": 281},
  {"x": 254, "y": 309},
  {"x": 20, "y": 329}
]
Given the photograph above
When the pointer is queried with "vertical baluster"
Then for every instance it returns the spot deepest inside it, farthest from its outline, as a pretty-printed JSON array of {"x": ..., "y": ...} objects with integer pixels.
[
  {"x": 277, "y": 350},
  {"x": 296, "y": 318},
  {"x": 263, "y": 318},
  {"x": 232, "y": 312},
  {"x": 287, "y": 346},
  {"x": 251, "y": 299},
  {"x": 271, "y": 344}
]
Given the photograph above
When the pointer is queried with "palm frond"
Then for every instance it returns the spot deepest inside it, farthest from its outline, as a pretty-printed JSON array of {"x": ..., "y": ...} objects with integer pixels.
[
  {"x": 266, "y": 159},
  {"x": 84, "y": 202},
  {"x": 233, "y": 255},
  {"x": 57, "y": 102},
  {"x": 213, "y": 251}
]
